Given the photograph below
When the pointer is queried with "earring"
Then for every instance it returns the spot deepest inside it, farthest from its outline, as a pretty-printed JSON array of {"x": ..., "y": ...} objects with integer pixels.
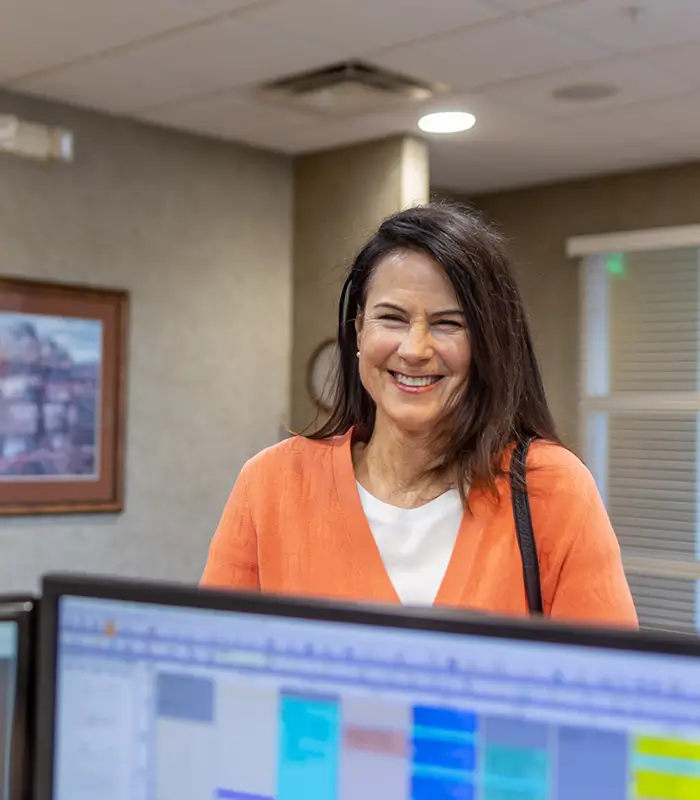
[{"x": 358, "y": 353}]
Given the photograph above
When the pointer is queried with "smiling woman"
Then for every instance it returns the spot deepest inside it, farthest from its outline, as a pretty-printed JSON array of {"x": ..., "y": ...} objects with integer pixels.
[{"x": 403, "y": 494}]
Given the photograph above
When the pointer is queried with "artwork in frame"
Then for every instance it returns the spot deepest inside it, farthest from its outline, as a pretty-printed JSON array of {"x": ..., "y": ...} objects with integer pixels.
[{"x": 62, "y": 398}]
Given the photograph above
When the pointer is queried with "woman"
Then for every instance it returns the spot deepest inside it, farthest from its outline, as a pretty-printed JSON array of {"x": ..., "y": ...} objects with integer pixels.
[{"x": 403, "y": 494}]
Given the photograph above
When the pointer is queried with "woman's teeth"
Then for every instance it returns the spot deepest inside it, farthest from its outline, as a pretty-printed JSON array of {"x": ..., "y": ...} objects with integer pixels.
[{"x": 410, "y": 380}]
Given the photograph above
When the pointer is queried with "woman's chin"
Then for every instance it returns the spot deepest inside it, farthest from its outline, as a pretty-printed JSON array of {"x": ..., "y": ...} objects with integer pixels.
[{"x": 413, "y": 423}]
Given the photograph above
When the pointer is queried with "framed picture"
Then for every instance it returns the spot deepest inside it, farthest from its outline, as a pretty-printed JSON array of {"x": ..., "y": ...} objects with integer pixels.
[{"x": 62, "y": 398}]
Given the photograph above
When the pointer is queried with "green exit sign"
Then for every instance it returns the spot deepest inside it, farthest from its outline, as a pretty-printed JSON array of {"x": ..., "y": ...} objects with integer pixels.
[{"x": 615, "y": 263}]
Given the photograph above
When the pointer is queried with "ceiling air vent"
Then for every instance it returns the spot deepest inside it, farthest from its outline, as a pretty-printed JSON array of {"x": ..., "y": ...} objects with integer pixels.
[{"x": 352, "y": 87}]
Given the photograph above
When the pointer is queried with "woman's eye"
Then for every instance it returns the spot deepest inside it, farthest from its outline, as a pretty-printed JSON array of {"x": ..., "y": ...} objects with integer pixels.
[
  {"x": 450, "y": 324},
  {"x": 391, "y": 318}
]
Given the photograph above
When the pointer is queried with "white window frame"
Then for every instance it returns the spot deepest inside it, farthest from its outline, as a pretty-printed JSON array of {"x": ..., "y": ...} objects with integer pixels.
[{"x": 591, "y": 252}]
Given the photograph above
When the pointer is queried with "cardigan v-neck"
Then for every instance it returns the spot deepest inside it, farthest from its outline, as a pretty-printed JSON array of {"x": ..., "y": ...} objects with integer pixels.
[
  {"x": 415, "y": 544},
  {"x": 294, "y": 524},
  {"x": 364, "y": 547}
]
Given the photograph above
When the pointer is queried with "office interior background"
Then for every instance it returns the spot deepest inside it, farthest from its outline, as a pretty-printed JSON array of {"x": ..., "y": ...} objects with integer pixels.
[{"x": 221, "y": 160}]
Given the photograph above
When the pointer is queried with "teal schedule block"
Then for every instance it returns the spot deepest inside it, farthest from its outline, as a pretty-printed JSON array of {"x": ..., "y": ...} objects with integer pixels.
[
  {"x": 309, "y": 748},
  {"x": 515, "y": 773}
]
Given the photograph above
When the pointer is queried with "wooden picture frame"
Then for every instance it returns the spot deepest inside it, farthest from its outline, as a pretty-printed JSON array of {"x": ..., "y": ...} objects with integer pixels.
[{"x": 62, "y": 398}]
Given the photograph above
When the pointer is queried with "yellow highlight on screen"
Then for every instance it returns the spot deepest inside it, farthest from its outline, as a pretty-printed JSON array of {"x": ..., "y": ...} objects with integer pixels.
[
  {"x": 666, "y": 787},
  {"x": 668, "y": 748}
]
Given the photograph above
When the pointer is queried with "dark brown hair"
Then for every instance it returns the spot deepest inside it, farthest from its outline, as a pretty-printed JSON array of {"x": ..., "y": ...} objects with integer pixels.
[{"x": 504, "y": 399}]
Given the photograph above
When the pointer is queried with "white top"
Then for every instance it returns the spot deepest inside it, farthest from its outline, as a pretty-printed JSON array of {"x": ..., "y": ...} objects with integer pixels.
[{"x": 415, "y": 543}]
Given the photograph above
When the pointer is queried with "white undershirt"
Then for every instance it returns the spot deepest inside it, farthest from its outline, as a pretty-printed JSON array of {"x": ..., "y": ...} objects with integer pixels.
[{"x": 415, "y": 543}]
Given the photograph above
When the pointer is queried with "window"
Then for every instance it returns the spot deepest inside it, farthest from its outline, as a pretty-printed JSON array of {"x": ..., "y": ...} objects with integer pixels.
[{"x": 640, "y": 409}]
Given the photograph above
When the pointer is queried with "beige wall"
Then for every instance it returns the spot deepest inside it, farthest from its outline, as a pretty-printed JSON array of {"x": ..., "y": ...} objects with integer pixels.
[
  {"x": 340, "y": 197},
  {"x": 200, "y": 233},
  {"x": 538, "y": 221}
]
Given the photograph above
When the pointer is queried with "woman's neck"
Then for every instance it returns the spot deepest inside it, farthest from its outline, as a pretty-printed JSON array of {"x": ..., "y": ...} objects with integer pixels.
[{"x": 395, "y": 468}]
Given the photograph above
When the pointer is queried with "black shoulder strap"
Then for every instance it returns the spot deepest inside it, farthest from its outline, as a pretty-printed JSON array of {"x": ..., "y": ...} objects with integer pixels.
[{"x": 523, "y": 527}]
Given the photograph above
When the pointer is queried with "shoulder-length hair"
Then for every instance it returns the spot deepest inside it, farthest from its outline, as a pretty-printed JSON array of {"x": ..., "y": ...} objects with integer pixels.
[{"x": 503, "y": 400}]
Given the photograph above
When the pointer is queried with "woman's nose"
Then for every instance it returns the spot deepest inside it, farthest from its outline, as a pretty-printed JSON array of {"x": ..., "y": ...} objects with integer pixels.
[{"x": 416, "y": 344}]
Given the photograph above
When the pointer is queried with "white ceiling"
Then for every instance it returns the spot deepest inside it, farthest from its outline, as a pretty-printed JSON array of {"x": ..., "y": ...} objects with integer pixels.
[{"x": 190, "y": 64}]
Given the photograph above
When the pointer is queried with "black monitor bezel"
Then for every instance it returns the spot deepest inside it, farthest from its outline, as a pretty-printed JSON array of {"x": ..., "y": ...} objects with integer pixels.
[
  {"x": 440, "y": 620},
  {"x": 21, "y": 609}
]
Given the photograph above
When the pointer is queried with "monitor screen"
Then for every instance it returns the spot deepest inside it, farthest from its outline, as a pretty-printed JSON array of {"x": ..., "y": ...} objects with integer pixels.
[
  {"x": 8, "y": 676},
  {"x": 179, "y": 703}
]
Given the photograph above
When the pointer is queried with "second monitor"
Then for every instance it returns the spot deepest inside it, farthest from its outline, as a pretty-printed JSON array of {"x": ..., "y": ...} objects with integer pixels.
[{"x": 16, "y": 688}]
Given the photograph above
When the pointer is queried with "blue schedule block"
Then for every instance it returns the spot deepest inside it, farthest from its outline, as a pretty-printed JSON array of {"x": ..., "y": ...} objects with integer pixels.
[
  {"x": 448, "y": 719},
  {"x": 592, "y": 764},
  {"x": 423, "y": 788},
  {"x": 445, "y": 754},
  {"x": 309, "y": 748}
]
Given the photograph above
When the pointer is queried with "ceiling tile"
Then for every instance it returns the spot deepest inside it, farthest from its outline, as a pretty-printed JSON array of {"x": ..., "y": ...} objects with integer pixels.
[
  {"x": 635, "y": 82},
  {"x": 228, "y": 115},
  {"x": 232, "y": 53},
  {"x": 118, "y": 85},
  {"x": 491, "y": 53},
  {"x": 682, "y": 60},
  {"x": 39, "y": 34},
  {"x": 359, "y": 26},
  {"x": 609, "y": 22}
]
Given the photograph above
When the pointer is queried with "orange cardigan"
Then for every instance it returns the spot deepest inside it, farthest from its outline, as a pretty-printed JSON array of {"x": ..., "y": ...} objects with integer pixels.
[{"x": 294, "y": 524}]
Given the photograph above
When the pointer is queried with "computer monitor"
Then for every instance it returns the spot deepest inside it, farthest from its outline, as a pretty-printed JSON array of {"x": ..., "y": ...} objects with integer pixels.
[
  {"x": 176, "y": 694},
  {"x": 16, "y": 692}
]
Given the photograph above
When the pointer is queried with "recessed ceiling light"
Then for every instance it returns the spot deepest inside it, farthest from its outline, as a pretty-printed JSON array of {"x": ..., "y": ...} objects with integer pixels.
[
  {"x": 447, "y": 122},
  {"x": 585, "y": 92}
]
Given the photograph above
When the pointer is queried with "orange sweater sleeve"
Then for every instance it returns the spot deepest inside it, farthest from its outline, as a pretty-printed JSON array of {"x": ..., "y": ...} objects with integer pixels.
[
  {"x": 592, "y": 586},
  {"x": 233, "y": 553}
]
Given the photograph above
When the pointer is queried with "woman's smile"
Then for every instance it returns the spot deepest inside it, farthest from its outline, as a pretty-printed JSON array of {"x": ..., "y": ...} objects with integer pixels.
[{"x": 414, "y": 384}]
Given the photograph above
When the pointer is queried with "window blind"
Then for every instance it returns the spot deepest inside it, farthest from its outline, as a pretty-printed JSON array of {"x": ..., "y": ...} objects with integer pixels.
[{"x": 641, "y": 411}]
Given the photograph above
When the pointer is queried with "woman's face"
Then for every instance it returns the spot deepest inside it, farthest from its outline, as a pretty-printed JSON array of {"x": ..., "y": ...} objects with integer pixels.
[{"x": 413, "y": 342}]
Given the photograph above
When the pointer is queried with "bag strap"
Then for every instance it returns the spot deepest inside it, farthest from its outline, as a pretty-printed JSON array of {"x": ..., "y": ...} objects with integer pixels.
[{"x": 523, "y": 527}]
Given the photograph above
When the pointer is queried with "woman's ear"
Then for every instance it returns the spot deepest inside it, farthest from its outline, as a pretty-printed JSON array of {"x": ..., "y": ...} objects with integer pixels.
[{"x": 359, "y": 319}]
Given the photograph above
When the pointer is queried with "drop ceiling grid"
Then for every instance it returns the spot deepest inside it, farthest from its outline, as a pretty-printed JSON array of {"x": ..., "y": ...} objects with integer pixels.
[
  {"x": 503, "y": 57},
  {"x": 121, "y": 84},
  {"x": 359, "y": 27},
  {"x": 659, "y": 22},
  {"x": 218, "y": 55},
  {"x": 248, "y": 48},
  {"x": 502, "y": 50}
]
